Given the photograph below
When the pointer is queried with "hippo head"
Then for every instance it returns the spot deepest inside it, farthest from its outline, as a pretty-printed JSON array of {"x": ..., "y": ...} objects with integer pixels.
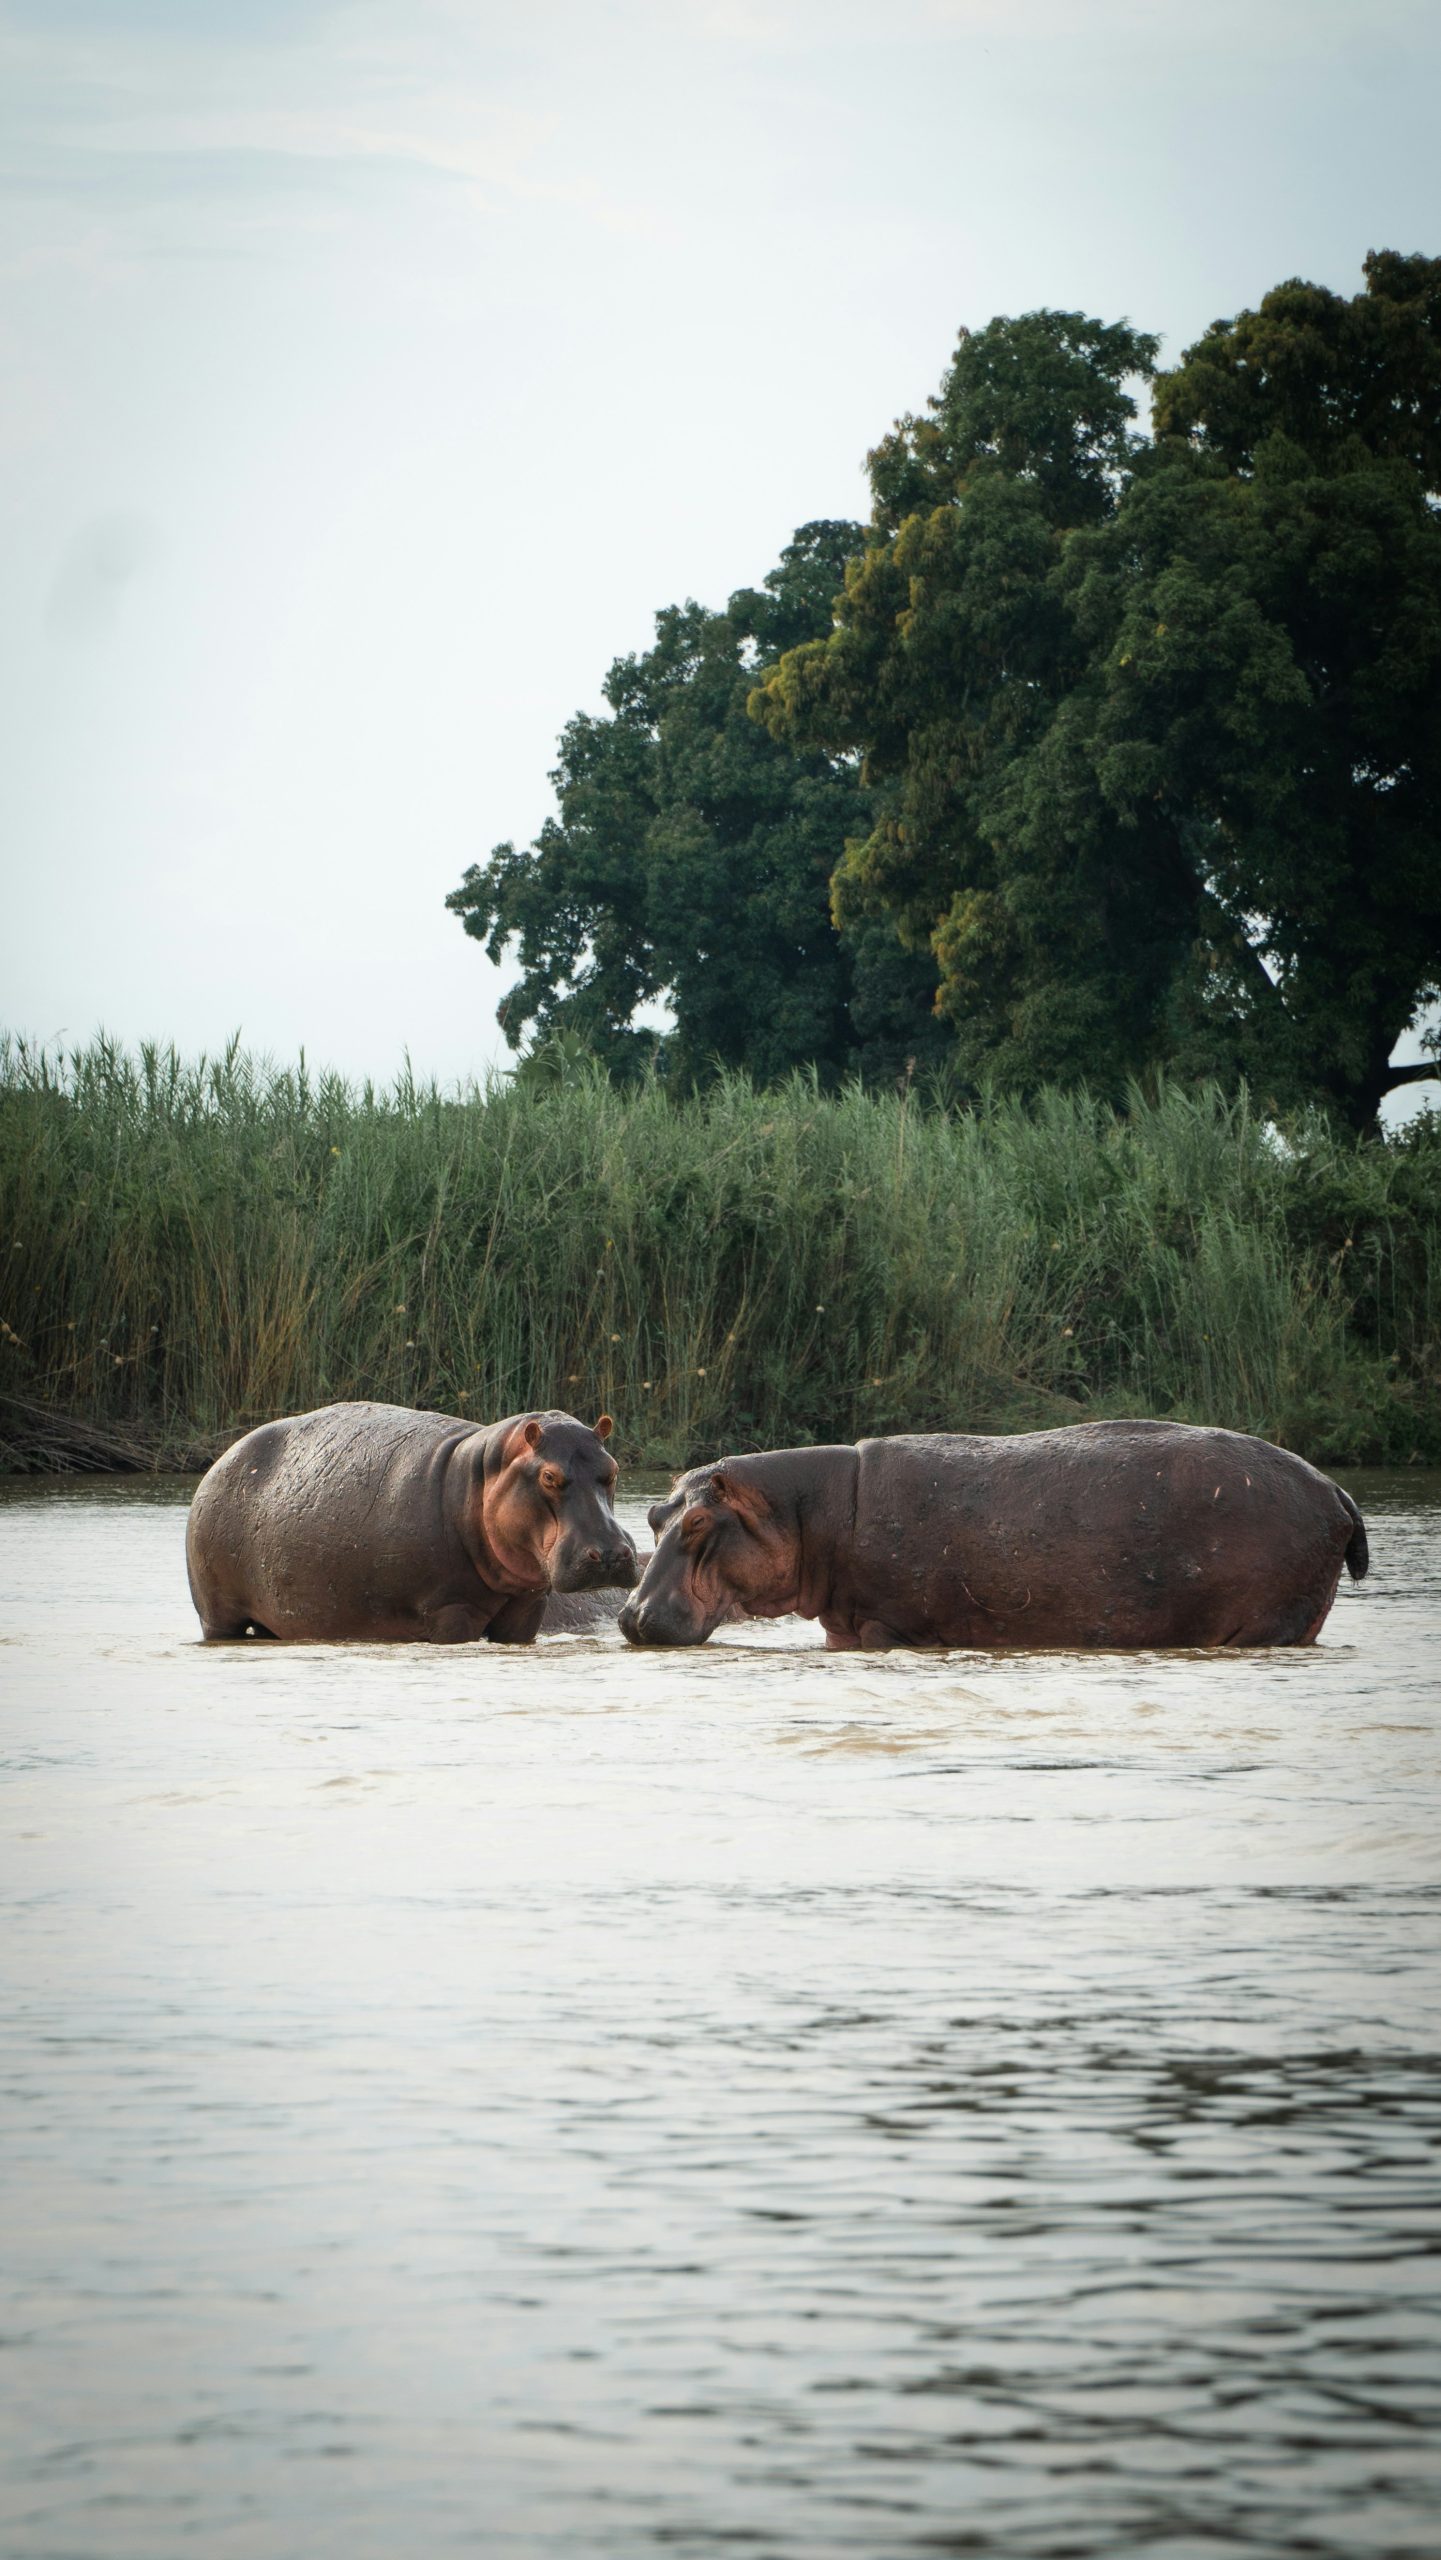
[
  {"x": 685, "y": 1490},
  {"x": 721, "y": 1553},
  {"x": 546, "y": 1505}
]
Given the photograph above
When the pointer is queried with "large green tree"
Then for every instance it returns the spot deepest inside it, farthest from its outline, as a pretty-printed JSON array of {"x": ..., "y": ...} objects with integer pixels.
[
  {"x": 1154, "y": 732},
  {"x": 1264, "y": 628},
  {"x": 952, "y": 657},
  {"x": 689, "y": 864}
]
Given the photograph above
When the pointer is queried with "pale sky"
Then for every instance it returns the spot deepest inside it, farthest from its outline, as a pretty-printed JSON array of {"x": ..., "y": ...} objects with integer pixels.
[{"x": 375, "y": 370}]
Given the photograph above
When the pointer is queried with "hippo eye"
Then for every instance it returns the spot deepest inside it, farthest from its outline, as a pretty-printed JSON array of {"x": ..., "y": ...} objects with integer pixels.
[
  {"x": 696, "y": 1524},
  {"x": 551, "y": 1480}
]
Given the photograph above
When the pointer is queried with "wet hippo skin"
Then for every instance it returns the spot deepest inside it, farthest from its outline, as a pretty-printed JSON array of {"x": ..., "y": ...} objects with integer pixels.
[
  {"x": 369, "y": 1523},
  {"x": 1125, "y": 1534}
]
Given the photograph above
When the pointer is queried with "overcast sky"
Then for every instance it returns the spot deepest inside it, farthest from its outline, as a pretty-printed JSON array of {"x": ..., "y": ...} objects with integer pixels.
[{"x": 375, "y": 370}]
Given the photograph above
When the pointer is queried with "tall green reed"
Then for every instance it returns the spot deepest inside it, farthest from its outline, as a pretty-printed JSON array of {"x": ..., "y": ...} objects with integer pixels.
[{"x": 189, "y": 1245}]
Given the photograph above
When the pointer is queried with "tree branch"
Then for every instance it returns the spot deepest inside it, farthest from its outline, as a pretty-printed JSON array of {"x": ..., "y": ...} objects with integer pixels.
[
  {"x": 1421, "y": 1072},
  {"x": 1225, "y": 930}
]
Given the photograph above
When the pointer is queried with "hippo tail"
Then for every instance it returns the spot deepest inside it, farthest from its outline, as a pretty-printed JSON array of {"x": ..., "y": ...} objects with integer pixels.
[{"x": 1358, "y": 1554}]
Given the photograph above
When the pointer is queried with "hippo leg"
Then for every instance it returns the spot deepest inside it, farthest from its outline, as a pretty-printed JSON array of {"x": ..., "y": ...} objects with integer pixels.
[
  {"x": 1287, "y": 1622},
  {"x": 1283, "y": 1626},
  {"x": 519, "y": 1621},
  {"x": 454, "y": 1624},
  {"x": 875, "y": 1638},
  {"x": 1322, "y": 1614}
]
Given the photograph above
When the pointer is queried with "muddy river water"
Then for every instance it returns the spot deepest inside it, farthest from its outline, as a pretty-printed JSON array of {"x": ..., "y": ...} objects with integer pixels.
[{"x": 739, "y": 2103}]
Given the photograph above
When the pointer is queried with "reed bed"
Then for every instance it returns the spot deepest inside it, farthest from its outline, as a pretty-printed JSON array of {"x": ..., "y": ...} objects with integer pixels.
[{"x": 187, "y": 1246}]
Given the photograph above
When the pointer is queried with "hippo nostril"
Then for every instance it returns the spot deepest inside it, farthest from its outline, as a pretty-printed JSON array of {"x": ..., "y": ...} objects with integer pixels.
[{"x": 592, "y": 1555}]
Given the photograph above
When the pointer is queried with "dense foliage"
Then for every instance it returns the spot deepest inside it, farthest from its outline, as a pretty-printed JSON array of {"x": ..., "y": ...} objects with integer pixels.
[
  {"x": 1156, "y": 729},
  {"x": 690, "y": 862},
  {"x": 190, "y": 1248},
  {"x": 1125, "y": 751},
  {"x": 952, "y": 665}
]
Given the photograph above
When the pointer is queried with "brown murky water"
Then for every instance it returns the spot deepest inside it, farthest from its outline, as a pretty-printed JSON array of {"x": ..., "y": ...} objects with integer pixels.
[{"x": 752, "y": 2102}]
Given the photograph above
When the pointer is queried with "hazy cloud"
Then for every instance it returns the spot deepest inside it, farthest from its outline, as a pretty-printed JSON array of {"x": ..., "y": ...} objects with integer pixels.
[
  {"x": 98, "y": 564},
  {"x": 447, "y": 340}
]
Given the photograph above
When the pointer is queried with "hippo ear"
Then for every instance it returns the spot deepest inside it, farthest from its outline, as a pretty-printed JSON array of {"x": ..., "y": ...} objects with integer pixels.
[
  {"x": 745, "y": 1499},
  {"x": 531, "y": 1434},
  {"x": 604, "y": 1427}
]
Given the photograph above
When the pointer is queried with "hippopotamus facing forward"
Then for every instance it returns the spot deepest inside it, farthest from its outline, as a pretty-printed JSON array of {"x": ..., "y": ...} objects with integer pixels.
[
  {"x": 1122, "y": 1534},
  {"x": 367, "y": 1523}
]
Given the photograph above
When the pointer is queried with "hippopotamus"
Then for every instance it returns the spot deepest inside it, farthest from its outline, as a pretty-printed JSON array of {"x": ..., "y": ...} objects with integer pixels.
[
  {"x": 367, "y": 1523},
  {"x": 1105, "y": 1534}
]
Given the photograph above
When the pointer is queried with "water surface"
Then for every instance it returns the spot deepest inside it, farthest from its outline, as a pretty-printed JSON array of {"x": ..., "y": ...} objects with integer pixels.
[{"x": 750, "y": 2102}]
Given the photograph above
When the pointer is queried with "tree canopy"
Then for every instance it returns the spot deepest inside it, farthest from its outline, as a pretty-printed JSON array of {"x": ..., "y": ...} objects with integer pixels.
[
  {"x": 1094, "y": 752},
  {"x": 1155, "y": 729},
  {"x": 690, "y": 861}
]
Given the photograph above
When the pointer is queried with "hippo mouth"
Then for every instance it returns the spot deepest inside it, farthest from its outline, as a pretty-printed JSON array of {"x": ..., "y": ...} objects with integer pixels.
[{"x": 646, "y": 1622}]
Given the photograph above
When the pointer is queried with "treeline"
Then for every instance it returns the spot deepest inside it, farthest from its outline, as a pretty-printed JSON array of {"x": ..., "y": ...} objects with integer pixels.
[
  {"x": 1091, "y": 754},
  {"x": 187, "y": 1248}
]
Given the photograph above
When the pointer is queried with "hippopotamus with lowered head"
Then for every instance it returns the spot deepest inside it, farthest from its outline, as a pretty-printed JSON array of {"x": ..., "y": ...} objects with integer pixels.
[
  {"x": 1108, "y": 1534},
  {"x": 367, "y": 1523}
]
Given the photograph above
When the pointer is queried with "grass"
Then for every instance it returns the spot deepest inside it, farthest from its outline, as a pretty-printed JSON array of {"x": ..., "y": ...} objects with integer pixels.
[{"x": 189, "y": 1246}]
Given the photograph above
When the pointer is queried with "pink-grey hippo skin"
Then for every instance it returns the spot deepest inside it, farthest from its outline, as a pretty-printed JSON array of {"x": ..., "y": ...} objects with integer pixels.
[
  {"x": 1109, "y": 1534},
  {"x": 367, "y": 1523}
]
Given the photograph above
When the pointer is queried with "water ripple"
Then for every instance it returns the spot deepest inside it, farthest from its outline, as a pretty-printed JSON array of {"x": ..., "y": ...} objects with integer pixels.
[{"x": 766, "y": 2103}]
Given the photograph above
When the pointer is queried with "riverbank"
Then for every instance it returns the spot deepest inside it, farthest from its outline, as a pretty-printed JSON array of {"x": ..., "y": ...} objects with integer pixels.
[{"x": 186, "y": 1247}]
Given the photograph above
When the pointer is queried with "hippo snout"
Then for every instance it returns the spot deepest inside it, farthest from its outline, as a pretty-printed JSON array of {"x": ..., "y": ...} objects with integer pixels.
[
  {"x": 648, "y": 1622},
  {"x": 629, "y": 1623},
  {"x": 594, "y": 1568}
]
